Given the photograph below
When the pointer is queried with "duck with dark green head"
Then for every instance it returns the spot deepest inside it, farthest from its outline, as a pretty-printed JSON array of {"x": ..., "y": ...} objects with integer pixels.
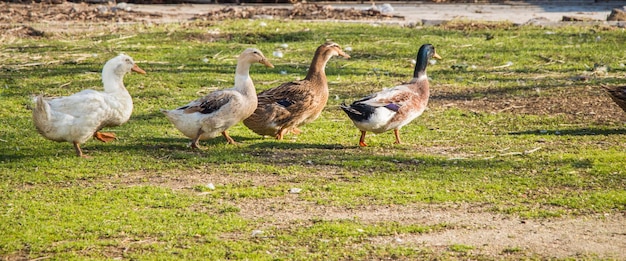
[{"x": 392, "y": 108}]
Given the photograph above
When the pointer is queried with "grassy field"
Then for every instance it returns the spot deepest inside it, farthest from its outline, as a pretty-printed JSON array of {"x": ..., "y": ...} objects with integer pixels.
[{"x": 517, "y": 126}]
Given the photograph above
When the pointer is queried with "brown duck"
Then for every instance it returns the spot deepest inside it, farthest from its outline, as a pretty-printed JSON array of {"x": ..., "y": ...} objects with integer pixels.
[
  {"x": 292, "y": 104},
  {"x": 618, "y": 94}
]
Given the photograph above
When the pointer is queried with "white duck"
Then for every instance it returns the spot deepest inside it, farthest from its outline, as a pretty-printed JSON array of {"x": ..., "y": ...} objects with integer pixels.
[
  {"x": 78, "y": 117},
  {"x": 214, "y": 113}
]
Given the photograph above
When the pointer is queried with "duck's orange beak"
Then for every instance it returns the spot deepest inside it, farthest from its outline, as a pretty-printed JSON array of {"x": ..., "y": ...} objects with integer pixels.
[
  {"x": 266, "y": 63},
  {"x": 342, "y": 54},
  {"x": 437, "y": 56},
  {"x": 137, "y": 69}
]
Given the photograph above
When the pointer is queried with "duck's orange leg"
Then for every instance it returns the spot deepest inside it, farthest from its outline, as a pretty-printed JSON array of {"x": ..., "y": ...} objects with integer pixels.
[
  {"x": 194, "y": 141},
  {"x": 79, "y": 152},
  {"x": 296, "y": 131},
  {"x": 362, "y": 139},
  {"x": 104, "y": 136},
  {"x": 280, "y": 134},
  {"x": 228, "y": 138},
  {"x": 396, "y": 132}
]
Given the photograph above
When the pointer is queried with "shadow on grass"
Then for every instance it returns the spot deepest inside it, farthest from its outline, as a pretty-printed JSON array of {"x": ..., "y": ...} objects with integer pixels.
[
  {"x": 572, "y": 132},
  {"x": 146, "y": 116},
  {"x": 219, "y": 140},
  {"x": 13, "y": 157},
  {"x": 328, "y": 160},
  {"x": 284, "y": 145}
]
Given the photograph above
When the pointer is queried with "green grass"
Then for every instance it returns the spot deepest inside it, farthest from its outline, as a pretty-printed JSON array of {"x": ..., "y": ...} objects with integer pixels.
[{"x": 144, "y": 196}]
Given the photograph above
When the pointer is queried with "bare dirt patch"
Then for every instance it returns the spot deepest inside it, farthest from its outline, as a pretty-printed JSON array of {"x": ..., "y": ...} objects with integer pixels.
[
  {"x": 21, "y": 31},
  {"x": 585, "y": 103},
  {"x": 297, "y": 11},
  {"x": 11, "y": 13},
  {"x": 494, "y": 235},
  {"x": 187, "y": 180},
  {"x": 490, "y": 234}
]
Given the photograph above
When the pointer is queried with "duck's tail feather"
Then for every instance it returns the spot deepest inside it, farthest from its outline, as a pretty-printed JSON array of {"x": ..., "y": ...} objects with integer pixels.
[
  {"x": 42, "y": 115},
  {"x": 168, "y": 115},
  {"x": 358, "y": 111},
  {"x": 349, "y": 110}
]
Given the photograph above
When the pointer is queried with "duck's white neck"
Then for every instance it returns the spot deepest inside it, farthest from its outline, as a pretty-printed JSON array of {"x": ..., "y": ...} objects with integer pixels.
[
  {"x": 243, "y": 82},
  {"x": 113, "y": 82},
  {"x": 420, "y": 77}
]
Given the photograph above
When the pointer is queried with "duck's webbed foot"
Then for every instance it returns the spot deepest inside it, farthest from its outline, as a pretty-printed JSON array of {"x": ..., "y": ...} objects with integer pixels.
[
  {"x": 104, "y": 136},
  {"x": 362, "y": 139}
]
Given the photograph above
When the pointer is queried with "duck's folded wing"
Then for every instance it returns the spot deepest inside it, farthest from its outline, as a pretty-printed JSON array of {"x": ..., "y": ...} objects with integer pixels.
[
  {"x": 80, "y": 104},
  {"x": 209, "y": 104},
  {"x": 392, "y": 99},
  {"x": 289, "y": 95}
]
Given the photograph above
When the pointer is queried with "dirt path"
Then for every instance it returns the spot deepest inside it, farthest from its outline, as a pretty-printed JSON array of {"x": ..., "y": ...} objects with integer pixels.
[
  {"x": 491, "y": 234},
  {"x": 519, "y": 12},
  {"x": 415, "y": 13}
]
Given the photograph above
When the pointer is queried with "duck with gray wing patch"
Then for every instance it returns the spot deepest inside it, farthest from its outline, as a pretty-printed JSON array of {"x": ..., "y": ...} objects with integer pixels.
[
  {"x": 392, "y": 108},
  {"x": 214, "y": 113}
]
